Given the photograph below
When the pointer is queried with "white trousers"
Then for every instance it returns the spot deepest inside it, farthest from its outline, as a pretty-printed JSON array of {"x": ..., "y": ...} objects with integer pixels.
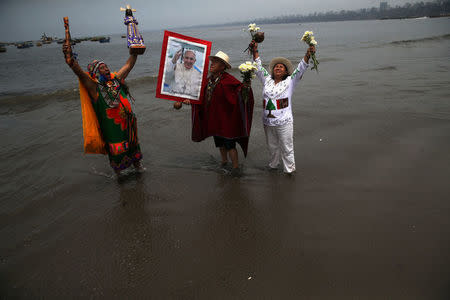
[{"x": 280, "y": 140}]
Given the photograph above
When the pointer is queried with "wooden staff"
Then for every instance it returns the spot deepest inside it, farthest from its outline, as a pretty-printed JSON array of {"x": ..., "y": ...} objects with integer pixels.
[{"x": 68, "y": 54}]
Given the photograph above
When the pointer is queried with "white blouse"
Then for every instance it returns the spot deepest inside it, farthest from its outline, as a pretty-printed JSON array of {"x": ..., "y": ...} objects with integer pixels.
[{"x": 279, "y": 94}]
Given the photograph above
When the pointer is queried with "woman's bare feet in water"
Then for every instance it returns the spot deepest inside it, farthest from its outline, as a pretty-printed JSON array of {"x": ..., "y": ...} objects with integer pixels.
[{"x": 139, "y": 167}]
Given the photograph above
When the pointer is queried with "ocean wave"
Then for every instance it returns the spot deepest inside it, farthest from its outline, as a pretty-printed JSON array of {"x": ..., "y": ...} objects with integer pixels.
[
  {"x": 22, "y": 102},
  {"x": 8, "y": 96},
  {"x": 385, "y": 68},
  {"x": 421, "y": 40},
  {"x": 152, "y": 79}
]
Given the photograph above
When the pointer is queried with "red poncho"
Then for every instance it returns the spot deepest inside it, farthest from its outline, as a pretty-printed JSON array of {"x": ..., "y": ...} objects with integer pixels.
[{"x": 226, "y": 115}]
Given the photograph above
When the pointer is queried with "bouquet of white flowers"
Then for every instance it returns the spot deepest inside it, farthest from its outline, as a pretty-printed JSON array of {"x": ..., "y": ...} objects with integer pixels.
[
  {"x": 247, "y": 71},
  {"x": 257, "y": 36},
  {"x": 308, "y": 38}
]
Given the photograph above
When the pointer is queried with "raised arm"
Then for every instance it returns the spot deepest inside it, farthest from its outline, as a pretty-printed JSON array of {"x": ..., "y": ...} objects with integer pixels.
[
  {"x": 88, "y": 83},
  {"x": 302, "y": 66},
  {"x": 261, "y": 73},
  {"x": 123, "y": 72},
  {"x": 175, "y": 58},
  {"x": 254, "y": 48},
  {"x": 311, "y": 50}
]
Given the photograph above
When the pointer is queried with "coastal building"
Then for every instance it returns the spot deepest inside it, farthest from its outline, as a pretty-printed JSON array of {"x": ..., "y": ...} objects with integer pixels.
[{"x": 383, "y": 6}]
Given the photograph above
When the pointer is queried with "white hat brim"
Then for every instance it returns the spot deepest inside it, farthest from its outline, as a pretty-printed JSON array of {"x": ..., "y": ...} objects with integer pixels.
[
  {"x": 221, "y": 59},
  {"x": 281, "y": 60}
]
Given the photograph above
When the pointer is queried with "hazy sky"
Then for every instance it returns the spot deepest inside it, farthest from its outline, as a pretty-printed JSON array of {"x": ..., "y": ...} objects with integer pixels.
[{"x": 28, "y": 19}]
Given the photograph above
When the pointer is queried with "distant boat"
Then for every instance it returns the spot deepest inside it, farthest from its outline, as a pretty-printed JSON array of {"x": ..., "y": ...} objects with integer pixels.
[
  {"x": 123, "y": 36},
  {"x": 46, "y": 39},
  {"x": 61, "y": 41},
  {"x": 39, "y": 44},
  {"x": 104, "y": 40},
  {"x": 2, "y": 49},
  {"x": 24, "y": 45}
]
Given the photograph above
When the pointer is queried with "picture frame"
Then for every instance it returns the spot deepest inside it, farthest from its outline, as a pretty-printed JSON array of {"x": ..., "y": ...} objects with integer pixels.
[{"x": 183, "y": 67}]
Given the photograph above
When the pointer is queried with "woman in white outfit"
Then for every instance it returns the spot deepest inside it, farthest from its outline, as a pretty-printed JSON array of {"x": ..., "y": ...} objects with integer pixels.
[{"x": 277, "y": 103}]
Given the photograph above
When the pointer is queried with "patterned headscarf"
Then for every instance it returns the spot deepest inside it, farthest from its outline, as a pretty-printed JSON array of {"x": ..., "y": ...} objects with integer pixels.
[
  {"x": 93, "y": 69},
  {"x": 110, "y": 88}
]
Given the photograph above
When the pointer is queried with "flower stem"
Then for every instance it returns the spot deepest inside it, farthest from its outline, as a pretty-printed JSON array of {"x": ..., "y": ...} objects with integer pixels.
[{"x": 315, "y": 62}]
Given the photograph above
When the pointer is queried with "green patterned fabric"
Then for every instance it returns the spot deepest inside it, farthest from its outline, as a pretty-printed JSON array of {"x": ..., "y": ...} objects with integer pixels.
[{"x": 118, "y": 127}]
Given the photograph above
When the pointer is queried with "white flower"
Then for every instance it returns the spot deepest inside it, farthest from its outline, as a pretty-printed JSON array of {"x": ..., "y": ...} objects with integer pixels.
[
  {"x": 308, "y": 38},
  {"x": 252, "y": 27},
  {"x": 247, "y": 67},
  {"x": 243, "y": 68}
]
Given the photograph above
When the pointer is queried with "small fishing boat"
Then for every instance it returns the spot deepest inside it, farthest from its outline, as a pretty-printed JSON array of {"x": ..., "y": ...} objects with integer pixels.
[
  {"x": 46, "y": 39},
  {"x": 104, "y": 40},
  {"x": 24, "y": 45}
]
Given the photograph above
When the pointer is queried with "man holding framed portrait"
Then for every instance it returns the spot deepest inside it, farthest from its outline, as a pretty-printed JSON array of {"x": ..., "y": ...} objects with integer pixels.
[
  {"x": 222, "y": 106},
  {"x": 225, "y": 112}
]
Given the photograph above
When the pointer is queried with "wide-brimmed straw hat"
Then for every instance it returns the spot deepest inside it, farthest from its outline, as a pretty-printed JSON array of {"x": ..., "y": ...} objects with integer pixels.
[
  {"x": 281, "y": 60},
  {"x": 223, "y": 57}
]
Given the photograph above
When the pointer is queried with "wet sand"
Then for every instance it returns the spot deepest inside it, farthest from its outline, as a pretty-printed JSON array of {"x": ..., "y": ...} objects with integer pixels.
[{"x": 365, "y": 217}]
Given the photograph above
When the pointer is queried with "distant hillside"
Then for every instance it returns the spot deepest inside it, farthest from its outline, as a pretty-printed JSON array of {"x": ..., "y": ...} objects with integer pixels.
[{"x": 437, "y": 8}]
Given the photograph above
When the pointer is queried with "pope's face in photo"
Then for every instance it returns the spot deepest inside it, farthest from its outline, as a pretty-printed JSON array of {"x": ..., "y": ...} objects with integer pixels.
[{"x": 189, "y": 59}]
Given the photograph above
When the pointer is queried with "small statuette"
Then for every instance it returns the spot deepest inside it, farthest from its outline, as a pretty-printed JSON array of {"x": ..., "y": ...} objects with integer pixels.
[{"x": 134, "y": 38}]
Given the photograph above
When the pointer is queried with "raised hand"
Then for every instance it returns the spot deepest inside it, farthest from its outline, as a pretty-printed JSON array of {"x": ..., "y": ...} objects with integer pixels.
[
  {"x": 253, "y": 49},
  {"x": 67, "y": 50},
  {"x": 311, "y": 50},
  {"x": 176, "y": 56}
]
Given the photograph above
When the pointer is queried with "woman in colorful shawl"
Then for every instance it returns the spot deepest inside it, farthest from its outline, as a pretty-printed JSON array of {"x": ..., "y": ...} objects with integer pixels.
[{"x": 110, "y": 99}]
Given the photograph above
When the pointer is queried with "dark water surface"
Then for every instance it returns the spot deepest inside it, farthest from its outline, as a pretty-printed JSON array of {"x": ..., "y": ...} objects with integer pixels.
[{"x": 366, "y": 216}]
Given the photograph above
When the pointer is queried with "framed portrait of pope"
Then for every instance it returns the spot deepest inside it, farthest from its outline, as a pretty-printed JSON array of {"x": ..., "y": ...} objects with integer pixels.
[{"x": 183, "y": 67}]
